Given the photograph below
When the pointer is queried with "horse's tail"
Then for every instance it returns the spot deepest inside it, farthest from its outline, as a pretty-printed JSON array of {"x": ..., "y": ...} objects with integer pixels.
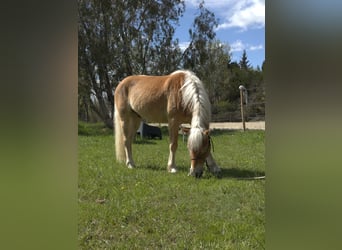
[{"x": 119, "y": 141}]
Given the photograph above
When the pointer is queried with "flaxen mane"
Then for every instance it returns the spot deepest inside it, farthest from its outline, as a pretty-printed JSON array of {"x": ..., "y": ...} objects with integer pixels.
[{"x": 196, "y": 99}]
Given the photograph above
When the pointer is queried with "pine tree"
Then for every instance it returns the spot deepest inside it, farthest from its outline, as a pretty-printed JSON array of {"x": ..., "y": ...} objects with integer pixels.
[{"x": 244, "y": 63}]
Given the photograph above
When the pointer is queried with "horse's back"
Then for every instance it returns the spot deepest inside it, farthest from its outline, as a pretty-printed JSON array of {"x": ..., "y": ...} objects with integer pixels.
[{"x": 150, "y": 96}]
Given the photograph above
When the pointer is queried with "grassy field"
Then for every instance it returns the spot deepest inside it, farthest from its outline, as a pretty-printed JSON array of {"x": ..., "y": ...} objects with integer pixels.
[{"x": 148, "y": 208}]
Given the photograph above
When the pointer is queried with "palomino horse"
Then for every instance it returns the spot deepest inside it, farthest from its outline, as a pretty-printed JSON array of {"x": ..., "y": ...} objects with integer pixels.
[{"x": 176, "y": 98}]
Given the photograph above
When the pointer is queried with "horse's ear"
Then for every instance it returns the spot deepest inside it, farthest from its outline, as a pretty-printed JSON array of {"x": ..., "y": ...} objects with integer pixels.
[{"x": 206, "y": 132}]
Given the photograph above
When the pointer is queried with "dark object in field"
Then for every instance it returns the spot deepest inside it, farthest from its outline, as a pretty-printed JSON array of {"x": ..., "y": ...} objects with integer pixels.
[{"x": 149, "y": 131}]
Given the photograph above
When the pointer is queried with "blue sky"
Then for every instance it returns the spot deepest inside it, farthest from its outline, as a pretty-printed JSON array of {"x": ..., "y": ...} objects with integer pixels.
[{"x": 241, "y": 26}]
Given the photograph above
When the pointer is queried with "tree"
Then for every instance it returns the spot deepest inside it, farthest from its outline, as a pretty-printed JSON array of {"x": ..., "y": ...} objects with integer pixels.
[
  {"x": 215, "y": 73},
  {"x": 206, "y": 56},
  {"x": 242, "y": 74},
  {"x": 244, "y": 63},
  {"x": 201, "y": 34},
  {"x": 119, "y": 38}
]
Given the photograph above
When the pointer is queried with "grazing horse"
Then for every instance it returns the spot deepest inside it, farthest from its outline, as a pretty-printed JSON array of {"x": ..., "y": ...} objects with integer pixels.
[{"x": 176, "y": 98}]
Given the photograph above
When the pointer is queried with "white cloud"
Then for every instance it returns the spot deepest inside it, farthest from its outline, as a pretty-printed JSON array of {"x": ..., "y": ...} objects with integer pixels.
[
  {"x": 242, "y": 14},
  {"x": 256, "y": 47},
  {"x": 238, "y": 45},
  {"x": 207, "y": 3},
  {"x": 250, "y": 14}
]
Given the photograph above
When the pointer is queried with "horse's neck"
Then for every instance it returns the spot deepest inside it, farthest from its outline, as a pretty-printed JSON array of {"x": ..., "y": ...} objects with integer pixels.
[{"x": 198, "y": 121}]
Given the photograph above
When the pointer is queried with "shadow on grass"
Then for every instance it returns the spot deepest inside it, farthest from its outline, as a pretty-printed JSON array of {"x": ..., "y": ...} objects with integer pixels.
[
  {"x": 163, "y": 167},
  {"x": 235, "y": 173},
  {"x": 144, "y": 141},
  {"x": 153, "y": 167},
  {"x": 229, "y": 173}
]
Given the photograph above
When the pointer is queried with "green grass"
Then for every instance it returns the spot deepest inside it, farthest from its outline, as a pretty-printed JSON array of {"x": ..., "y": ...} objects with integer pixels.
[{"x": 148, "y": 208}]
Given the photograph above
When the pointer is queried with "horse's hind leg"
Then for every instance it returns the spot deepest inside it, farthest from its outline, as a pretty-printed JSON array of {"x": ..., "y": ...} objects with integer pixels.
[
  {"x": 173, "y": 131},
  {"x": 130, "y": 126}
]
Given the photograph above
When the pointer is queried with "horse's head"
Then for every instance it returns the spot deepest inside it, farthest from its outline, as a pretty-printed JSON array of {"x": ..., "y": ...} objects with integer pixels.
[{"x": 199, "y": 153}]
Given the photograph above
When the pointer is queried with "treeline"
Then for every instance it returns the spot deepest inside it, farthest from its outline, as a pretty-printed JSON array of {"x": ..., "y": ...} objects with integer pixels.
[{"x": 119, "y": 38}]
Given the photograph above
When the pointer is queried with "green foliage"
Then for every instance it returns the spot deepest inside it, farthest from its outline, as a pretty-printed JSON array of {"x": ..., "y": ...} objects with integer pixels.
[
  {"x": 222, "y": 107},
  {"x": 252, "y": 79},
  {"x": 93, "y": 129},
  {"x": 201, "y": 35},
  {"x": 244, "y": 63},
  {"x": 120, "y": 38},
  {"x": 148, "y": 208}
]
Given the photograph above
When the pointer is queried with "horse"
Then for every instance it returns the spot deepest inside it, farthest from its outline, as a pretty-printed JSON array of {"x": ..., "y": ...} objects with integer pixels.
[{"x": 177, "y": 98}]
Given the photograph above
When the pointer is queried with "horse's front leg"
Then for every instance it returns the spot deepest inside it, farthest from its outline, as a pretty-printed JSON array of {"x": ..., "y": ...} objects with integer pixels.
[
  {"x": 171, "y": 164},
  {"x": 212, "y": 165}
]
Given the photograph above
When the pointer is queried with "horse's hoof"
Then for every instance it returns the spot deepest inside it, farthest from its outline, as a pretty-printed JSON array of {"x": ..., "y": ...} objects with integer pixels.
[
  {"x": 199, "y": 174},
  {"x": 173, "y": 170},
  {"x": 218, "y": 174},
  {"x": 191, "y": 172},
  {"x": 130, "y": 166}
]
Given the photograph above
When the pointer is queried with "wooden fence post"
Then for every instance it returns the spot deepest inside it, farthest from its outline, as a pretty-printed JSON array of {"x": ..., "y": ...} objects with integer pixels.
[{"x": 242, "y": 89}]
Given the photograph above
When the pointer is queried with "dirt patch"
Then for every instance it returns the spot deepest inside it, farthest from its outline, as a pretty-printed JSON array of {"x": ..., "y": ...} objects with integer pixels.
[{"x": 260, "y": 125}]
